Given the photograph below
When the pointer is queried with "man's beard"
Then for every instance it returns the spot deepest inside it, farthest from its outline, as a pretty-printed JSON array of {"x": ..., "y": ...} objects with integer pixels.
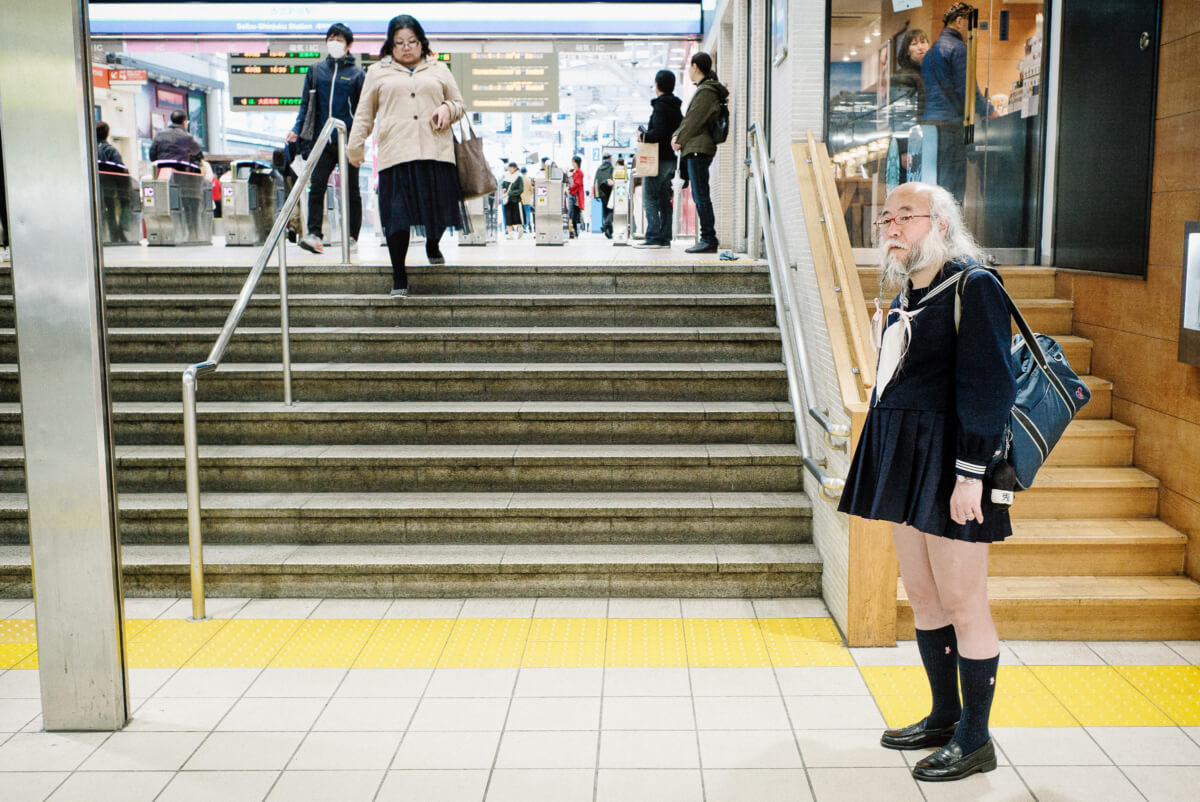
[{"x": 899, "y": 265}]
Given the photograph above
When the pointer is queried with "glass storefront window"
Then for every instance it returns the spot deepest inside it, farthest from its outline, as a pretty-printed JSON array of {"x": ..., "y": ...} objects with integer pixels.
[{"x": 895, "y": 112}]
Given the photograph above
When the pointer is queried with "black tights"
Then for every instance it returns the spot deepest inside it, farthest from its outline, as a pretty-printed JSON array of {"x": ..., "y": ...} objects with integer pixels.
[{"x": 397, "y": 244}]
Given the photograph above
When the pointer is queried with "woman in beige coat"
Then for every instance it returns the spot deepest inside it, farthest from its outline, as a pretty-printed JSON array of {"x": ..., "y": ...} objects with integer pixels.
[{"x": 410, "y": 101}]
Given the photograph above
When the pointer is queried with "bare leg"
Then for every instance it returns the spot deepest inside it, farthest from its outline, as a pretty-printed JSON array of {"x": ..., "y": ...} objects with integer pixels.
[
  {"x": 918, "y": 576},
  {"x": 960, "y": 576}
]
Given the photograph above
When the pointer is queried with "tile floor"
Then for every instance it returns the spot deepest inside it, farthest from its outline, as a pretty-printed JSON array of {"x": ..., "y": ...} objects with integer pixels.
[{"x": 760, "y": 705}]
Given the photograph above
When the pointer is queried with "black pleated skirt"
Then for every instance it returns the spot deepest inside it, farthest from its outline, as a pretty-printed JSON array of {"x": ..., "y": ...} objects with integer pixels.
[
  {"x": 512, "y": 214},
  {"x": 419, "y": 195},
  {"x": 903, "y": 472}
]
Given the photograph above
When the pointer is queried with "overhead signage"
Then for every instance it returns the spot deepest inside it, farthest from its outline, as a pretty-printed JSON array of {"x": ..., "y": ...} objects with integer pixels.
[
  {"x": 126, "y": 77},
  {"x": 285, "y": 19},
  {"x": 508, "y": 82},
  {"x": 274, "y": 80},
  {"x": 99, "y": 77}
]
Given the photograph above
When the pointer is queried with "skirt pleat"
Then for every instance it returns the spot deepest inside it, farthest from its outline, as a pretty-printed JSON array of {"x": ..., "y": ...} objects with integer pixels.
[{"x": 419, "y": 195}]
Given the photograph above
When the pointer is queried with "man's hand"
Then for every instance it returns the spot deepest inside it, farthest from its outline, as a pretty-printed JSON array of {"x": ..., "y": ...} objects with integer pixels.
[
  {"x": 441, "y": 117},
  {"x": 291, "y": 137}
]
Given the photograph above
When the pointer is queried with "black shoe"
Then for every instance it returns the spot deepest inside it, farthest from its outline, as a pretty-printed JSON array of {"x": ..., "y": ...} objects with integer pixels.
[
  {"x": 916, "y": 736},
  {"x": 702, "y": 247},
  {"x": 949, "y": 763},
  {"x": 436, "y": 259}
]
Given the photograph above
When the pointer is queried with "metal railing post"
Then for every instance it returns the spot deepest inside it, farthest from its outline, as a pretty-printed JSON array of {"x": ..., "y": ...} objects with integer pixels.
[
  {"x": 284, "y": 324},
  {"x": 344, "y": 191},
  {"x": 191, "y": 452}
]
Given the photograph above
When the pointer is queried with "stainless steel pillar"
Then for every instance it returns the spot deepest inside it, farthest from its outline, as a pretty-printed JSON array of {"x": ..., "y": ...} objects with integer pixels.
[{"x": 50, "y": 170}]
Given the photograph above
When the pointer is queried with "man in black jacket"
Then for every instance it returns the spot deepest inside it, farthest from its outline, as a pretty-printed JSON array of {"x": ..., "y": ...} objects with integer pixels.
[
  {"x": 656, "y": 190},
  {"x": 334, "y": 85},
  {"x": 175, "y": 145}
]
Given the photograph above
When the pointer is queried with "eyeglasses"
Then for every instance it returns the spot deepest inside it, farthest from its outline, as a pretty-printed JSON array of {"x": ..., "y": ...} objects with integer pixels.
[
  {"x": 408, "y": 44},
  {"x": 900, "y": 220}
]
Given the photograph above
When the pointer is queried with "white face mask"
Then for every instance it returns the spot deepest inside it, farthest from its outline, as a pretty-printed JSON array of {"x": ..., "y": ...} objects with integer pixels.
[{"x": 337, "y": 48}]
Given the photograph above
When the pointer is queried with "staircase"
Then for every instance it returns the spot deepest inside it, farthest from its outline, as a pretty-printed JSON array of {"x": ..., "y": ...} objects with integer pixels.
[
  {"x": 1088, "y": 558},
  {"x": 515, "y": 429}
]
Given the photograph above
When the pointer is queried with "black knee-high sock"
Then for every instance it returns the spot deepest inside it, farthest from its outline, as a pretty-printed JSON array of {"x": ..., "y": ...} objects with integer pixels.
[
  {"x": 433, "y": 238},
  {"x": 398, "y": 251},
  {"x": 978, "y": 679},
  {"x": 939, "y": 655}
]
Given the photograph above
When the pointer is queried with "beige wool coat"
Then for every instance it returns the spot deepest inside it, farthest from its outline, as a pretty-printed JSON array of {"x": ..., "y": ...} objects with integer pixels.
[{"x": 398, "y": 106}]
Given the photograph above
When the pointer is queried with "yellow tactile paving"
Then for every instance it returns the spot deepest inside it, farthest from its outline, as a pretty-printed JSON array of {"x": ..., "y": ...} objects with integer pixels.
[
  {"x": 1173, "y": 689},
  {"x": 1021, "y": 700},
  {"x": 245, "y": 643},
  {"x": 645, "y": 642},
  {"x": 804, "y": 642},
  {"x": 565, "y": 643},
  {"x": 326, "y": 643},
  {"x": 170, "y": 643},
  {"x": 485, "y": 643},
  {"x": 12, "y": 654},
  {"x": 724, "y": 642},
  {"x": 18, "y": 630},
  {"x": 1100, "y": 697},
  {"x": 406, "y": 643}
]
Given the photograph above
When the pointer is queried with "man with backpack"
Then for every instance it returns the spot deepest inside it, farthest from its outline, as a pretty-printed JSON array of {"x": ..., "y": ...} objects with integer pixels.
[{"x": 696, "y": 139}]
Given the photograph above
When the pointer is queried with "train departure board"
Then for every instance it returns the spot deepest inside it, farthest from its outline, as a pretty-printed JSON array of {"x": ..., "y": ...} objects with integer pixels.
[{"x": 273, "y": 81}]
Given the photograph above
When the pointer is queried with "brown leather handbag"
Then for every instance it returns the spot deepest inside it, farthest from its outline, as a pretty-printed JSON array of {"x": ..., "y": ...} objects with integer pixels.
[{"x": 474, "y": 175}]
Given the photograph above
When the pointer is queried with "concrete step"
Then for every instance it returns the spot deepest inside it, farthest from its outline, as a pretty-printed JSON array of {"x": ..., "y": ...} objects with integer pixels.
[
  {"x": 738, "y": 570},
  {"x": 450, "y": 469},
  {"x": 1085, "y": 608},
  {"x": 444, "y": 344},
  {"x": 255, "y": 519},
  {"x": 747, "y": 309},
  {"x": 382, "y": 422},
  {"x": 1097, "y": 547},
  {"x": 372, "y": 279},
  {"x": 363, "y": 381}
]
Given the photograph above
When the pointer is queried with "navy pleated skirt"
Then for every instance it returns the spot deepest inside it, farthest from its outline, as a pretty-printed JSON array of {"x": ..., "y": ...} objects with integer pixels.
[
  {"x": 903, "y": 471},
  {"x": 420, "y": 195}
]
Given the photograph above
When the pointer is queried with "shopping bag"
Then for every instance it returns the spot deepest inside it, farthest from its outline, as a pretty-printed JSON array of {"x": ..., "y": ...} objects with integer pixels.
[
  {"x": 474, "y": 175},
  {"x": 646, "y": 165}
]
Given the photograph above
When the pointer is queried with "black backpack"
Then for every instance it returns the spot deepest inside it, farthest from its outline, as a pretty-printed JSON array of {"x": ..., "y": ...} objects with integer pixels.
[{"x": 720, "y": 128}]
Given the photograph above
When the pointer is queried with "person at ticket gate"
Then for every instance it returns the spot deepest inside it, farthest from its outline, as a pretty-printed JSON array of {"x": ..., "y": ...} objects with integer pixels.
[
  {"x": 410, "y": 100},
  {"x": 665, "y": 116},
  {"x": 334, "y": 85},
  {"x": 174, "y": 146}
]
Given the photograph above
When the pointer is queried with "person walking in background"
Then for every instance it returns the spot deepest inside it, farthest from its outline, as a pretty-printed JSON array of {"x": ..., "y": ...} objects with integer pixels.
[
  {"x": 944, "y": 75},
  {"x": 657, "y": 195},
  {"x": 602, "y": 188},
  {"x": 116, "y": 205},
  {"x": 907, "y": 88},
  {"x": 175, "y": 146},
  {"x": 934, "y": 431},
  {"x": 335, "y": 86},
  {"x": 693, "y": 140},
  {"x": 577, "y": 200},
  {"x": 512, "y": 186},
  {"x": 527, "y": 199},
  {"x": 412, "y": 99},
  {"x": 108, "y": 158}
]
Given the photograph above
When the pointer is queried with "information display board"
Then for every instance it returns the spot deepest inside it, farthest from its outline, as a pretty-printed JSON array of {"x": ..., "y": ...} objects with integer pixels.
[
  {"x": 508, "y": 82},
  {"x": 273, "y": 81}
]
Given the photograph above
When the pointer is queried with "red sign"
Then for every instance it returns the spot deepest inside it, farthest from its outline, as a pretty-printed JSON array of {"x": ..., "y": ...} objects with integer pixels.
[
  {"x": 99, "y": 77},
  {"x": 127, "y": 76}
]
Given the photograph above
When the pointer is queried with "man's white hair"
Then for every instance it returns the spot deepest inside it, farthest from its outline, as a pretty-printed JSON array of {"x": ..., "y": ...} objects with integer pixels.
[{"x": 934, "y": 247}]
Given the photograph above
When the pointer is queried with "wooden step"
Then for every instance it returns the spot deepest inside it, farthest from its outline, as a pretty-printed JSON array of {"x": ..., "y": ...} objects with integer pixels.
[
  {"x": 1143, "y": 608},
  {"x": 1077, "y": 350},
  {"x": 1020, "y": 281},
  {"x": 1100, "y": 407},
  {"x": 1094, "y": 443},
  {"x": 1098, "y": 547},
  {"x": 1089, "y": 492}
]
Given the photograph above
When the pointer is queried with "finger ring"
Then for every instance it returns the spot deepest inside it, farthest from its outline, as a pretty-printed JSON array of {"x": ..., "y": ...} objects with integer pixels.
[{"x": 970, "y": 516}]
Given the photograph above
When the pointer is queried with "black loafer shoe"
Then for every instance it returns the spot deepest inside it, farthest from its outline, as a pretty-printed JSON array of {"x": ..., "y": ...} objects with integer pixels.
[
  {"x": 949, "y": 763},
  {"x": 917, "y": 736}
]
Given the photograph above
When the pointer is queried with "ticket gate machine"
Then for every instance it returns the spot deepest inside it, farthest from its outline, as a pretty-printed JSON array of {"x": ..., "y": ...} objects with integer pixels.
[
  {"x": 484, "y": 227},
  {"x": 120, "y": 209},
  {"x": 177, "y": 208},
  {"x": 549, "y": 208},
  {"x": 251, "y": 197},
  {"x": 622, "y": 199}
]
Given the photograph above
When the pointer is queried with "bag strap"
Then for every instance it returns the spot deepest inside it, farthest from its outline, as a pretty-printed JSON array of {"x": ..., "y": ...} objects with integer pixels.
[{"x": 1035, "y": 347}]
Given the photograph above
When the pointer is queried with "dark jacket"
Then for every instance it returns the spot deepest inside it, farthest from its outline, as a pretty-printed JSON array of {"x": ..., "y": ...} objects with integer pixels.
[
  {"x": 907, "y": 96},
  {"x": 695, "y": 131},
  {"x": 664, "y": 119},
  {"x": 600, "y": 186},
  {"x": 109, "y": 158},
  {"x": 338, "y": 85},
  {"x": 514, "y": 185},
  {"x": 944, "y": 74},
  {"x": 174, "y": 143}
]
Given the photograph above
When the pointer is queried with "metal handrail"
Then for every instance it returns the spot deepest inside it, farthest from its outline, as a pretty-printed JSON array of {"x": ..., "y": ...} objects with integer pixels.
[
  {"x": 193, "y": 372},
  {"x": 795, "y": 351}
]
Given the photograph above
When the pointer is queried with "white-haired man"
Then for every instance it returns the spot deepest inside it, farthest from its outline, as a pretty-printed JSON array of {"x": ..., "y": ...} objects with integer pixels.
[{"x": 936, "y": 424}]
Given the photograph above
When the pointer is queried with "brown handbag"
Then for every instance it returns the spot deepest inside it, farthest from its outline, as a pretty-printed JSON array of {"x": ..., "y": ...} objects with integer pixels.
[{"x": 474, "y": 175}]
